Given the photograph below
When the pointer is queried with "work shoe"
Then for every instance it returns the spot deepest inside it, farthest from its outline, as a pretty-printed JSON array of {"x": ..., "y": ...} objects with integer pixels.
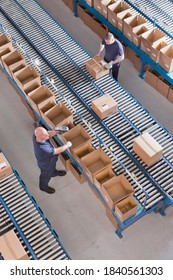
[
  {"x": 59, "y": 173},
  {"x": 48, "y": 190}
]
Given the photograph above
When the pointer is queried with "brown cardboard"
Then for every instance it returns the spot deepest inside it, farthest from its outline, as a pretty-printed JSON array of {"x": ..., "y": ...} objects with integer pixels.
[
  {"x": 58, "y": 115},
  {"x": 77, "y": 136},
  {"x": 26, "y": 76},
  {"x": 162, "y": 86},
  {"x": 130, "y": 54},
  {"x": 111, "y": 218},
  {"x": 104, "y": 106},
  {"x": 82, "y": 151},
  {"x": 77, "y": 174},
  {"x": 130, "y": 24},
  {"x": 151, "y": 77},
  {"x": 150, "y": 39},
  {"x": 166, "y": 58},
  {"x": 170, "y": 94},
  {"x": 11, "y": 59},
  {"x": 70, "y": 125},
  {"x": 115, "y": 9},
  {"x": 89, "y": 2},
  {"x": 98, "y": 28},
  {"x": 116, "y": 189},
  {"x": 5, "y": 42},
  {"x": 3, "y": 53},
  {"x": 31, "y": 86},
  {"x": 137, "y": 63},
  {"x": 11, "y": 248},
  {"x": 120, "y": 19},
  {"x": 40, "y": 96},
  {"x": 101, "y": 6},
  {"x": 65, "y": 160},
  {"x": 137, "y": 33},
  {"x": 95, "y": 68},
  {"x": 5, "y": 168},
  {"x": 126, "y": 208},
  {"x": 94, "y": 162},
  {"x": 103, "y": 176},
  {"x": 147, "y": 148},
  {"x": 155, "y": 51},
  {"x": 16, "y": 67}
]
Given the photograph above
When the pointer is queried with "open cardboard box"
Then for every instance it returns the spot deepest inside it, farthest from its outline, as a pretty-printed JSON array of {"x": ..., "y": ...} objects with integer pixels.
[
  {"x": 70, "y": 125},
  {"x": 116, "y": 189},
  {"x": 26, "y": 76},
  {"x": 104, "y": 106},
  {"x": 147, "y": 148},
  {"x": 166, "y": 58},
  {"x": 82, "y": 151},
  {"x": 103, "y": 176},
  {"x": 17, "y": 67},
  {"x": 115, "y": 9},
  {"x": 155, "y": 51},
  {"x": 13, "y": 58},
  {"x": 5, "y": 42},
  {"x": 137, "y": 33},
  {"x": 58, "y": 115},
  {"x": 78, "y": 136},
  {"x": 11, "y": 247},
  {"x": 126, "y": 208},
  {"x": 120, "y": 19},
  {"x": 94, "y": 162},
  {"x": 151, "y": 77},
  {"x": 162, "y": 86},
  {"x": 131, "y": 23},
  {"x": 101, "y": 6},
  {"x": 95, "y": 68},
  {"x": 31, "y": 87},
  {"x": 150, "y": 39},
  {"x": 40, "y": 96},
  {"x": 3, "y": 53},
  {"x": 5, "y": 168}
]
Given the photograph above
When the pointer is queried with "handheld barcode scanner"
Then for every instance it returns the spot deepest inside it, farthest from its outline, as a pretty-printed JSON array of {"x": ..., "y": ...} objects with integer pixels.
[{"x": 61, "y": 129}]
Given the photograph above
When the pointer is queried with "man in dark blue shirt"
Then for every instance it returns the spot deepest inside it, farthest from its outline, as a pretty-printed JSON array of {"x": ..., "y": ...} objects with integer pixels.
[
  {"x": 47, "y": 156},
  {"x": 114, "y": 53}
]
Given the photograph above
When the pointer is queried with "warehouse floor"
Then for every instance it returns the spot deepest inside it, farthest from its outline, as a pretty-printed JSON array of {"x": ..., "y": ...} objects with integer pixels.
[{"x": 80, "y": 218}]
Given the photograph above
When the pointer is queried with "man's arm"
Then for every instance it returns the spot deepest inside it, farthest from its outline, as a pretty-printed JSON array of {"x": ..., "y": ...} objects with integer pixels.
[
  {"x": 61, "y": 149},
  {"x": 120, "y": 58},
  {"x": 100, "y": 49}
]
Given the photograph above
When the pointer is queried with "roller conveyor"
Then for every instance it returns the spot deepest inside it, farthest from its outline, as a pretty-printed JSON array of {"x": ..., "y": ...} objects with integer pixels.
[
  {"x": 28, "y": 219},
  {"x": 86, "y": 88}
]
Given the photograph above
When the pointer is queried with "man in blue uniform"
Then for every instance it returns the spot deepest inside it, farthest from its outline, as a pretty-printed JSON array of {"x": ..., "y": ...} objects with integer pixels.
[
  {"x": 114, "y": 53},
  {"x": 47, "y": 156}
]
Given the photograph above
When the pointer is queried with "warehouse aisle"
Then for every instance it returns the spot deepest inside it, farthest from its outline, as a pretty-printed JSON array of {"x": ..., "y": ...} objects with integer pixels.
[{"x": 80, "y": 218}]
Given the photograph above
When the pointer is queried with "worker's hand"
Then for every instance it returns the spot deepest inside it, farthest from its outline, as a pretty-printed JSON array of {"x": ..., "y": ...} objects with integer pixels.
[
  {"x": 98, "y": 54},
  {"x": 69, "y": 144},
  {"x": 51, "y": 133},
  {"x": 109, "y": 65}
]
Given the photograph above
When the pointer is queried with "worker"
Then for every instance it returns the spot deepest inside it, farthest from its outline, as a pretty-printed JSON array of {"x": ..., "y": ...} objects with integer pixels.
[
  {"x": 47, "y": 156},
  {"x": 114, "y": 53}
]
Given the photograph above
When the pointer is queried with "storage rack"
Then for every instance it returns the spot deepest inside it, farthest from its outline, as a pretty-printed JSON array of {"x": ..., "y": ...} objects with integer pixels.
[
  {"x": 145, "y": 59},
  {"x": 116, "y": 132},
  {"x": 19, "y": 211}
]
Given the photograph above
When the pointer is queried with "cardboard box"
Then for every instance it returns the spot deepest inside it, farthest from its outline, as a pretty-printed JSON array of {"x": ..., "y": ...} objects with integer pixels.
[
  {"x": 103, "y": 176},
  {"x": 26, "y": 76},
  {"x": 126, "y": 208},
  {"x": 89, "y": 2},
  {"x": 5, "y": 168},
  {"x": 98, "y": 28},
  {"x": 82, "y": 151},
  {"x": 114, "y": 11},
  {"x": 150, "y": 39},
  {"x": 77, "y": 136},
  {"x": 58, "y": 115},
  {"x": 102, "y": 6},
  {"x": 13, "y": 58},
  {"x": 3, "y": 53},
  {"x": 147, "y": 148},
  {"x": 95, "y": 162},
  {"x": 151, "y": 77},
  {"x": 131, "y": 23},
  {"x": 120, "y": 19},
  {"x": 170, "y": 94},
  {"x": 40, "y": 96},
  {"x": 130, "y": 54},
  {"x": 5, "y": 42},
  {"x": 137, "y": 63},
  {"x": 166, "y": 58},
  {"x": 70, "y": 125},
  {"x": 155, "y": 51},
  {"x": 11, "y": 248},
  {"x": 77, "y": 174},
  {"x": 95, "y": 68},
  {"x": 162, "y": 86},
  {"x": 116, "y": 189},
  {"x": 137, "y": 33},
  {"x": 104, "y": 106}
]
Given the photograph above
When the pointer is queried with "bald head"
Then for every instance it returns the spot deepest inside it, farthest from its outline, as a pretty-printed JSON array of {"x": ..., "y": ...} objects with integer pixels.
[{"x": 41, "y": 134}]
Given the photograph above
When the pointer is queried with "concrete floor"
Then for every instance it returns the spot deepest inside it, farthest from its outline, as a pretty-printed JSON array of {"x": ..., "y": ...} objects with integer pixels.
[{"x": 80, "y": 218}]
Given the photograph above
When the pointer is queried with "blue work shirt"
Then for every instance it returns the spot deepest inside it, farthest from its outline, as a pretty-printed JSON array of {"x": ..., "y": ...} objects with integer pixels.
[
  {"x": 113, "y": 51},
  {"x": 44, "y": 153}
]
